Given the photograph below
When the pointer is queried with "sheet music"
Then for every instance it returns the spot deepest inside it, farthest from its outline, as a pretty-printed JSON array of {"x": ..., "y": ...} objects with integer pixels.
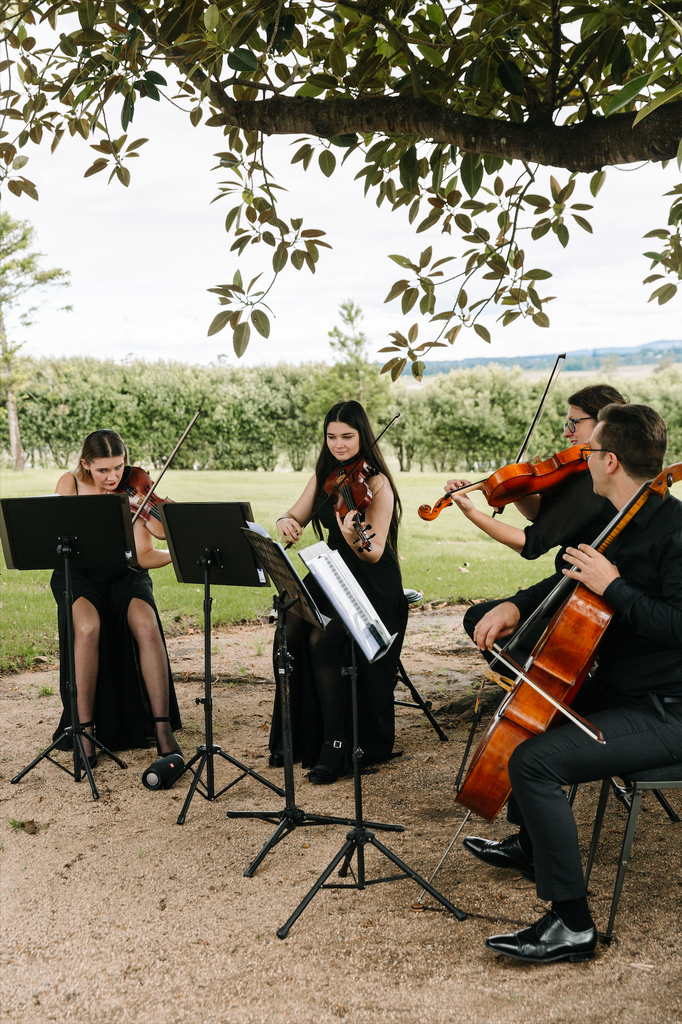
[
  {"x": 283, "y": 574},
  {"x": 349, "y": 599}
]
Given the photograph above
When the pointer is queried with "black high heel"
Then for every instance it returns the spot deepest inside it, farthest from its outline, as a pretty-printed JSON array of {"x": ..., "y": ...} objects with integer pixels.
[
  {"x": 164, "y": 753},
  {"x": 330, "y": 765},
  {"x": 92, "y": 758}
]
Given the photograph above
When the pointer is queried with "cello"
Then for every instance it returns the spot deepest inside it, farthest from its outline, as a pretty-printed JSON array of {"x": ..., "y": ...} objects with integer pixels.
[{"x": 556, "y": 669}]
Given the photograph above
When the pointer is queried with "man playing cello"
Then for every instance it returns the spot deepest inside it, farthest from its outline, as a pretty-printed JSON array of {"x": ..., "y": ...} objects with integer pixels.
[{"x": 634, "y": 697}]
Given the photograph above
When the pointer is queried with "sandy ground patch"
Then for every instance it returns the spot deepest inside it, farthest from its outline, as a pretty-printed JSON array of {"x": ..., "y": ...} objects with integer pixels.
[{"x": 112, "y": 913}]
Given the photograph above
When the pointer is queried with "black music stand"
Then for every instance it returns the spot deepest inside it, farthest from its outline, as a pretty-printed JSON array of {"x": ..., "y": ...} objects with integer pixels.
[
  {"x": 362, "y": 833},
  {"x": 207, "y": 546},
  {"x": 292, "y": 593},
  {"x": 59, "y": 532}
]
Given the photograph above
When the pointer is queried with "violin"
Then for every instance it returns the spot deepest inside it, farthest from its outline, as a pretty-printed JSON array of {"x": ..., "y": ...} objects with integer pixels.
[
  {"x": 140, "y": 488},
  {"x": 144, "y": 503},
  {"x": 349, "y": 484},
  {"x": 553, "y": 674},
  {"x": 516, "y": 481}
]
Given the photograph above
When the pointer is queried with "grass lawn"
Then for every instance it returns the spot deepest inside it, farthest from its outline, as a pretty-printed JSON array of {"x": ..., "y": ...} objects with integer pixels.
[{"x": 449, "y": 559}]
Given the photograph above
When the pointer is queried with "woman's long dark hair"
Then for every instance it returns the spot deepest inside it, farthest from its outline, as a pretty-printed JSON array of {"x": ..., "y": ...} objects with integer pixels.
[{"x": 355, "y": 416}]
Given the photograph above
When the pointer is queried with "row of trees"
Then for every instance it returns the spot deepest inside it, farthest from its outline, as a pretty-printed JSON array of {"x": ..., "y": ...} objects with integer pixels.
[{"x": 255, "y": 418}]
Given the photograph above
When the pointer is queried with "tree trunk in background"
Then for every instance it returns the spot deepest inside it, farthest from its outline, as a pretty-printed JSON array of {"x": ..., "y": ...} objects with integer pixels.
[{"x": 18, "y": 455}]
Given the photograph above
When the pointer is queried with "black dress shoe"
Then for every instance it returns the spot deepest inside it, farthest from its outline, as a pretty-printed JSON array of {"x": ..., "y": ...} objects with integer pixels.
[
  {"x": 548, "y": 941},
  {"x": 276, "y": 760},
  {"x": 506, "y": 854}
]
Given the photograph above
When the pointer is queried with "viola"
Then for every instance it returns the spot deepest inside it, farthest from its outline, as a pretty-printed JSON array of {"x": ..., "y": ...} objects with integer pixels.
[
  {"x": 144, "y": 502},
  {"x": 349, "y": 485},
  {"x": 516, "y": 481},
  {"x": 553, "y": 674}
]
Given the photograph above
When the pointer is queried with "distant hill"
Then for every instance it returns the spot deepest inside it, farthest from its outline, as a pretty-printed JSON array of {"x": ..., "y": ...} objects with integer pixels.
[{"x": 582, "y": 359}]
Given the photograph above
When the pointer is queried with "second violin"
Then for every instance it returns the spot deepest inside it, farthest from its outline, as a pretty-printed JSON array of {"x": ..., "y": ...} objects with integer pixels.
[
  {"x": 349, "y": 484},
  {"x": 516, "y": 481}
]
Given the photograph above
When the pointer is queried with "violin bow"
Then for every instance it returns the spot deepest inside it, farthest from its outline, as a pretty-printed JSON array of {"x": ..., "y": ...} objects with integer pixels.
[
  {"x": 560, "y": 360},
  {"x": 170, "y": 458}
]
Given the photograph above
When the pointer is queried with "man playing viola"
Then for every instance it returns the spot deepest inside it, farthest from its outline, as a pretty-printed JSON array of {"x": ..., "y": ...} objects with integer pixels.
[{"x": 634, "y": 697}]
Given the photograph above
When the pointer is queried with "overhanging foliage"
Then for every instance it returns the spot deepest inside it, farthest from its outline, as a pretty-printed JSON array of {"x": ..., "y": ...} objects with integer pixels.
[{"x": 438, "y": 101}]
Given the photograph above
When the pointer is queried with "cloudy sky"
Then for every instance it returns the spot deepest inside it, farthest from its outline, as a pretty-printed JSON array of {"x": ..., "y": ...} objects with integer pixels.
[{"x": 142, "y": 258}]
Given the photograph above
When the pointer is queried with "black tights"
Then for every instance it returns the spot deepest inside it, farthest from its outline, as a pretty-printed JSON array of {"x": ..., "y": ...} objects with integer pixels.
[{"x": 326, "y": 647}]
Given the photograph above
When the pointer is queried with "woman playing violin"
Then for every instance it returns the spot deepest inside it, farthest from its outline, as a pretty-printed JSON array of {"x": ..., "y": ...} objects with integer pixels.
[
  {"x": 561, "y": 515},
  {"x": 123, "y": 677},
  {"x": 318, "y": 689},
  {"x": 567, "y": 515}
]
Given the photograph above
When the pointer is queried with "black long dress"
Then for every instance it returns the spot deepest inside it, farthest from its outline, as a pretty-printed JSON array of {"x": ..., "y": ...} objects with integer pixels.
[
  {"x": 382, "y": 583},
  {"x": 123, "y": 716}
]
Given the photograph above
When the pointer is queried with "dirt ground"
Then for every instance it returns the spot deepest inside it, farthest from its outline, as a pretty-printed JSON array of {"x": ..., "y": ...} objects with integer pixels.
[{"x": 112, "y": 913}]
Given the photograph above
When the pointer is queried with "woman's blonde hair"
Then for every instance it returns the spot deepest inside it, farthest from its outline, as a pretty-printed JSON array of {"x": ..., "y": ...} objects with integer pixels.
[{"x": 101, "y": 444}]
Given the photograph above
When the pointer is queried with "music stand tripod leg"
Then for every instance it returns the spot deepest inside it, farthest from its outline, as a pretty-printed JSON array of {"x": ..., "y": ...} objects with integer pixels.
[
  {"x": 209, "y": 750},
  {"x": 361, "y": 835},
  {"x": 291, "y": 816}
]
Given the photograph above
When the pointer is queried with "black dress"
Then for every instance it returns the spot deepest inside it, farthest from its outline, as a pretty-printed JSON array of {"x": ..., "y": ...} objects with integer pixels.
[
  {"x": 123, "y": 716},
  {"x": 382, "y": 583}
]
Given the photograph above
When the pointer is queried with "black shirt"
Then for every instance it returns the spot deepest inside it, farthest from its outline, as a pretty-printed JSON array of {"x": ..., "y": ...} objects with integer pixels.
[
  {"x": 641, "y": 651},
  {"x": 569, "y": 514}
]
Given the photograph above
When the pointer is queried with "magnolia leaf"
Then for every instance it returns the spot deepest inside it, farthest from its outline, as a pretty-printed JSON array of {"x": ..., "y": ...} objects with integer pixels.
[
  {"x": 240, "y": 339},
  {"x": 327, "y": 162},
  {"x": 403, "y": 261},
  {"x": 389, "y": 365},
  {"x": 472, "y": 172},
  {"x": 627, "y": 94},
  {"x": 412, "y": 333},
  {"x": 418, "y": 368},
  {"x": 537, "y": 275},
  {"x": 409, "y": 299},
  {"x": 584, "y": 224},
  {"x": 511, "y": 77},
  {"x": 398, "y": 369},
  {"x": 98, "y": 165},
  {"x": 261, "y": 322},
  {"x": 482, "y": 332},
  {"x": 397, "y": 289},
  {"x": 664, "y": 294},
  {"x": 244, "y": 61},
  {"x": 541, "y": 319},
  {"x": 664, "y": 97},
  {"x": 596, "y": 182},
  {"x": 211, "y": 17},
  {"x": 219, "y": 321}
]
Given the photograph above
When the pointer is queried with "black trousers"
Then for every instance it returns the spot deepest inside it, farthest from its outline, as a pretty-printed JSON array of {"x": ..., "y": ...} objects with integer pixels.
[{"x": 647, "y": 735}]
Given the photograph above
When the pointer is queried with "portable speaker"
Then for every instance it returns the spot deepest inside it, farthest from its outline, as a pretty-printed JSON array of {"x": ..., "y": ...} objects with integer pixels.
[{"x": 163, "y": 772}]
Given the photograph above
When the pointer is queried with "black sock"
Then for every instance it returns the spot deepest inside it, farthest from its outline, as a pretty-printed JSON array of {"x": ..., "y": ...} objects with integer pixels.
[
  {"x": 574, "y": 913},
  {"x": 525, "y": 842}
]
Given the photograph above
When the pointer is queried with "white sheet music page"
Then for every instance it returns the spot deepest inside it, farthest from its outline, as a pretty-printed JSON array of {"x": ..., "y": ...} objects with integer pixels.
[{"x": 349, "y": 599}]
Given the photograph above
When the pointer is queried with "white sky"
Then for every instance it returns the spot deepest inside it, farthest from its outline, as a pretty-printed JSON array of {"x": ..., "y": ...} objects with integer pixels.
[{"x": 142, "y": 258}]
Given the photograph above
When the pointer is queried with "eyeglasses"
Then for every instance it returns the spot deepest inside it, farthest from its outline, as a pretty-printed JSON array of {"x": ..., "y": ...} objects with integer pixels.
[
  {"x": 587, "y": 452},
  {"x": 570, "y": 423}
]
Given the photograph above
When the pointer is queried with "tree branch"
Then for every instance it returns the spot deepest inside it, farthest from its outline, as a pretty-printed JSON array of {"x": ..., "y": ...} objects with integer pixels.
[{"x": 588, "y": 146}]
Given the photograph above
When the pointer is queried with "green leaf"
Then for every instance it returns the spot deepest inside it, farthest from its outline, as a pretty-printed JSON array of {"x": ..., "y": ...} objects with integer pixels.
[
  {"x": 397, "y": 289},
  {"x": 511, "y": 77},
  {"x": 403, "y": 261},
  {"x": 584, "y": 224},
  {"x": 398, "y": 369},
  {"x": 662, "y": 98},
  {"x": 409, "y": 170},
  {"x": 211, "y": 17},
  {"x": 219, "y": 321},
  {"x": 482, "y": 332},
  {"x": 541, "y": 319},
  {"x": 343, "y": 141},
  {"x": 231, "y": 217},
  {"x": 240, "y": 339},
  {"x": 409, "y": 299},
  {"x": 261, "y": 322},
  {"x": 242, "y": 60},
  {"x": 128, "y": 109},
  {"x": 389, "y": 365},
  {"x": 596, "y": 182},
  {"x": 418, "y": 369},
  {"x": 280, "y": 257},
  {"x": 327, "y": 162},
  {"x": 562, "y": 234},
  {"x": 322, "y": 81},
  {"x": 429, "y": 221},
  {"x": 297, "y": 259},
  {"x": 472, "y": 172},
  {"x": 664, "y": 294},
  {"x": 537, "y": 275}
]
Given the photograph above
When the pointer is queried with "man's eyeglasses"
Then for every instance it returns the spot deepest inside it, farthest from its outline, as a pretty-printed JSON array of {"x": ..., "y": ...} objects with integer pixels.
[
  {"x": 587, "y": 452},
  {"x": 570, "y": 423}
]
